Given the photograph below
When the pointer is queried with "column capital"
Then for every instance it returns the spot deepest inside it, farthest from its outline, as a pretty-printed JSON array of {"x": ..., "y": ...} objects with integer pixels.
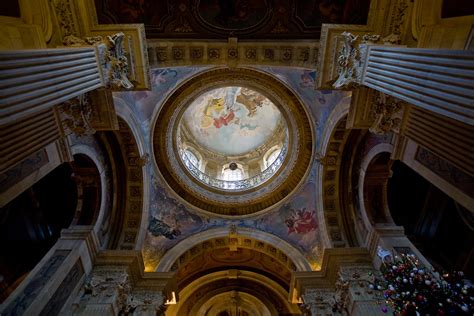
[
  {"x": 105, "y": 290},
  {"x": 352, "y": 56},
  {"x": 319, "y": 301},
  {"x": 112, "y": 58}
]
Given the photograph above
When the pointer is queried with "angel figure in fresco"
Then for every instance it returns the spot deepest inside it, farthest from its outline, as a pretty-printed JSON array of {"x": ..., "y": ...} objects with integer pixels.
[
  {"x": 251, "y": 100},
  {"x": 218, "y": 114},
  {"x": 157, "y": 228},
  {"x": 301, "y": 221}
]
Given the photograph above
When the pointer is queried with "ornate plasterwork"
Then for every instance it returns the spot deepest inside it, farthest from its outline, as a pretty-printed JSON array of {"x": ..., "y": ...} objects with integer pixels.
[
  {"x": 76, "y": 115},
  {"x": 141, "y": 301},
  {"x": 109, "y": 285},
  {"x": 318, "y": 301},
  {"x": 112, "y": 58},
  {"x": 348, "y": 63},
  {"x": 351, "y": 58},
  {"x": 285, "y": 180},
  {"x": 65, "y": 17},
  {"x": 385, "y": 112},
  {"x": 352, "y": 285},
  {"x": 234, "y": 242}
]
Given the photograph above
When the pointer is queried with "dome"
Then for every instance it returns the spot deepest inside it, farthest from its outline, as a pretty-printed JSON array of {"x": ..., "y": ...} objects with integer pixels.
[
  {"x": 232, "y": 138},
  {"x": 232, "y": 141}
]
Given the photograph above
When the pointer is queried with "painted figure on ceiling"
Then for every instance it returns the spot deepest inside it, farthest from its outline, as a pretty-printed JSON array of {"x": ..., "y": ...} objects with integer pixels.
[
  {"x": 158, "y": 228},
  {"x": 251, "y": 100},
  {"x": 301, "y": 221}
]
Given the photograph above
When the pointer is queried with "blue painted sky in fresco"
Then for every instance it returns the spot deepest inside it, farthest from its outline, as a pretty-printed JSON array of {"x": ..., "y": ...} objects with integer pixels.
[{"x": 295, "y": 221}]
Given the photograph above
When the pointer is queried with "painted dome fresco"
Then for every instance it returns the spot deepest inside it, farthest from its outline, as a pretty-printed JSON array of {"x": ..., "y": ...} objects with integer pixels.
[
  {"x": 232, "y": 121},
  {"x": 232, "y": 138}
]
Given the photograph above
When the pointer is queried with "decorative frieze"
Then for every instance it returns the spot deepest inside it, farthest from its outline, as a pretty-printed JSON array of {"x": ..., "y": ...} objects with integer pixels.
[{"x": 169, "y": 54}]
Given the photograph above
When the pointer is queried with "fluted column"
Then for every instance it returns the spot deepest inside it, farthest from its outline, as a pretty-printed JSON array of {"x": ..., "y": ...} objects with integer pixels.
[
  {"x": 56, "y": 277},
  {"x": 441, "y": 81},
  {"x": 32, "y": 81}
]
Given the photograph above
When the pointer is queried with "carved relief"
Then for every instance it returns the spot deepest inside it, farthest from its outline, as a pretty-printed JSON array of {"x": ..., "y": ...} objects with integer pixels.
[
  {"x": 397, "y": 18},
  {"x": 76, "y": 115},
  {"x": 348, "y": 63},
  {"x": 353, "y": 285},
  {"x": 65, "y": 17},
  {"x": 107, "y": 285},
  {"x": 385, "y": 112},
  {"x": 112, "y": 57},
  {"x": 318, "y": 301},
  {"x": 143, "y": 300}
]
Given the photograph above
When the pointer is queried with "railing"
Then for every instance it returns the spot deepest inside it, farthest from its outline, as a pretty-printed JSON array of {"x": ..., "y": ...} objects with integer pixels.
[{"x": 238, "y": 184}]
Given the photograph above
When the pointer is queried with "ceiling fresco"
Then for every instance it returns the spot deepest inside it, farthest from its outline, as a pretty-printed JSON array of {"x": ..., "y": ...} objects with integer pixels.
[
  {"x": 319, "y": 102},
  {"x": 231, "y": 121},
  {"x": 247, "y": 19},
  {"x": 295, "y": 222},
  {"x": 172, "y": 221}
]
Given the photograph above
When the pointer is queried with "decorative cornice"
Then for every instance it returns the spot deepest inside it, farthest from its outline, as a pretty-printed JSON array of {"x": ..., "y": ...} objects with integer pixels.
[{"x": 167, "y": 53}]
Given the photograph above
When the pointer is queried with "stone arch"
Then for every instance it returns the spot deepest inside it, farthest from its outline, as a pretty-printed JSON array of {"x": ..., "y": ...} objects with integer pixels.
[
  {"x": 127, "y": 115},
  {"x": 127, "y": 233},
  {"x": 170, "y": 257},
  {"x": 339, "y": 112},
  {"x": 366, "y": 170},
  {"x": 330, "y": 171},
  {"x": 248, "y": 303},
  {"x": 272, "y": 294},
  {"x": 87, "y": 151}
]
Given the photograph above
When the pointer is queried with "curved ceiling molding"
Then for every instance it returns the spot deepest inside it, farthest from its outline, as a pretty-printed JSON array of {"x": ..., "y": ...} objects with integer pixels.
[
  {"x": 244, "y": 202},
  {"x": 299, "y": 262}
]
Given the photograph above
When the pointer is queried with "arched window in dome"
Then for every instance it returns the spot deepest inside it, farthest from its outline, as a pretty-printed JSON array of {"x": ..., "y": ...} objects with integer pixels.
[
  {"x": 232, "y": 172},
  {"x": 190, "y": 159},
  {"x": 271, "y": 156}
]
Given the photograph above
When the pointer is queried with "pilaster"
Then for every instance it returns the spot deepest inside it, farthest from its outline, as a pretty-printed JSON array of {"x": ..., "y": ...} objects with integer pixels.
[{"x": 57, "y": 277}]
